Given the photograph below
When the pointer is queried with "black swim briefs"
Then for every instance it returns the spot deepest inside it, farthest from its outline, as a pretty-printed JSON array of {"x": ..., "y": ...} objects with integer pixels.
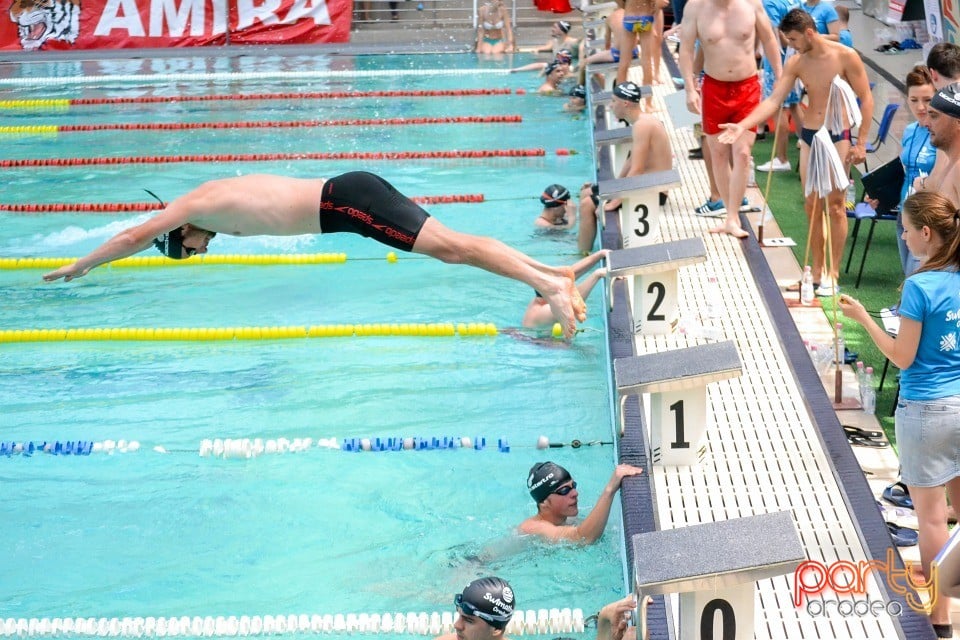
[{"x": 364, "y": 203}]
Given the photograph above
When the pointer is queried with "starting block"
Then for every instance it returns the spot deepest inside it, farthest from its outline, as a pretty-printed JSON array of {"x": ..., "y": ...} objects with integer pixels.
[
  {"x": 609, "y": 72},
  {"x": 715, "y": 567},
  {"x": 640, "y": 211},
  {"x": 655, "y": 291},
  {"x": 600, "y": 10},
  {"x": 677, "y": 383},
  {"x": 618, "y": 141}
]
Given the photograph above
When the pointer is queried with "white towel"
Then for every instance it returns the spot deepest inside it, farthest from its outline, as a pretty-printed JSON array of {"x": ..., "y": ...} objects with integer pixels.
[
  {"x": 825, "y": 170},
  {"x": 842, "y": 100}
]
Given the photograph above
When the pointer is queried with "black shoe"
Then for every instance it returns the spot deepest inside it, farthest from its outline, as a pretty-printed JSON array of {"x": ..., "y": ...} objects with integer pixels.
[
  {"x": 695, "y": 154},
  {"x": 943, "y": 630}
]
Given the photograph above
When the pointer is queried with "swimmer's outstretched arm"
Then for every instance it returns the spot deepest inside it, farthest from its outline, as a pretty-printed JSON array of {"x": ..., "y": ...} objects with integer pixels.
[
  {"x": 126, "y": 243},
  {"x": 581, "y": 266}
]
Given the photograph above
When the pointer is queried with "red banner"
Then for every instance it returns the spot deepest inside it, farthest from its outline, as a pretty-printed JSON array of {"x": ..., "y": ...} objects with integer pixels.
[{"x": 57, "y": 25}]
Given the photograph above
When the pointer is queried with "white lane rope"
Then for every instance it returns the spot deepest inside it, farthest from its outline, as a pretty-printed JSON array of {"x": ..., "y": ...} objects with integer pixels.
[
  {"x": 160, "y": 78},
  {"x": 539, "y": 622}
]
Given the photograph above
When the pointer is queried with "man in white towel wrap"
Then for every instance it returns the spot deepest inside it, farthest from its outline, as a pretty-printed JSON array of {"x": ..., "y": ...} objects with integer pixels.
[{"x": 834, "y": 78}]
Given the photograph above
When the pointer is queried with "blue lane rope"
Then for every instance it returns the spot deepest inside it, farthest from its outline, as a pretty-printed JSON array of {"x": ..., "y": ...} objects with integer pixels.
[{"x": 254, "y": 447}]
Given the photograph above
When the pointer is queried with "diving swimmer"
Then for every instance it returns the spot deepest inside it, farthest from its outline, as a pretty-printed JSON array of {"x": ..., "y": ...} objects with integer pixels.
[{"x": 356, "y": 202}]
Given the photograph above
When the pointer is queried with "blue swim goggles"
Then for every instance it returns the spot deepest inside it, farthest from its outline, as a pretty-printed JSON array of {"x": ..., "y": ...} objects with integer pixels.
[{"x": 470, "y": 610}]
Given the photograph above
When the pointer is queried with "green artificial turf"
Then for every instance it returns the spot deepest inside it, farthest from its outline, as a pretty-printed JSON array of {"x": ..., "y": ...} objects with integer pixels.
[{"x": 882, "y": 274}]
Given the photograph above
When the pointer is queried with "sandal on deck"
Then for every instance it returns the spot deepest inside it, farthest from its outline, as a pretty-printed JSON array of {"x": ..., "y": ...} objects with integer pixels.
[{"x": 898, "y": 495}]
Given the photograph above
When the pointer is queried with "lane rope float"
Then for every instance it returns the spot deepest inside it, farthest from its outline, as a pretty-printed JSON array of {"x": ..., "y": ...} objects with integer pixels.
[
  {"x": 65, "y": 103},
  {"x": 161, "y": 78},
  {"x": 211, "y": 334},
  {"x": 39, "y": 129},
  {"x": 142, "y": 207},
  {"x": 530, "y": 622},
  {"x": 272, "y": 157},
  {"x": 246, "y": 448},
  {"x": 17, "y": 264}
]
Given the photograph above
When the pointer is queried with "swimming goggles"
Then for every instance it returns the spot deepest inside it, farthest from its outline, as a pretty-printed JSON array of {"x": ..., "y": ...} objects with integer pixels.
[
  {"x": 565, "y": 489},
  {"x": 470, "y": 610}
]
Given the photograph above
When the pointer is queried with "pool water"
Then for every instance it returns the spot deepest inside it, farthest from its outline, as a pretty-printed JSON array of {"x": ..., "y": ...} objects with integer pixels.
[{"x": 321, "y": 531}]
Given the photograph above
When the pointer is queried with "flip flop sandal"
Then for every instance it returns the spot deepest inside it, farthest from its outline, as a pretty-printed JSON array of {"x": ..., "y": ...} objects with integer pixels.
[
  {"x": 901, "y": 536},
  {"x": 860, "y": 441},
  {"x": 898, "y": 495},
  {"x": 863, "y": 433}
]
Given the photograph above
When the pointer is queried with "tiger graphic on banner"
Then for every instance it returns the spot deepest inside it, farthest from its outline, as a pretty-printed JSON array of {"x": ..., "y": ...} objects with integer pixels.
[{"x": 41, "y": 20}]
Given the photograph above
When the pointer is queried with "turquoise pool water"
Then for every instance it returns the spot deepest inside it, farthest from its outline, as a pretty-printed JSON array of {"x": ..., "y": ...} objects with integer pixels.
[{"x": 320, "y": 531}]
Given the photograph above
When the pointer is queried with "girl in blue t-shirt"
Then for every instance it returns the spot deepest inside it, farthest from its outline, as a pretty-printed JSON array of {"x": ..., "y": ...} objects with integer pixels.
[
  {"x": 927, "y": 352},
  {"x": 917, "y": 153}
]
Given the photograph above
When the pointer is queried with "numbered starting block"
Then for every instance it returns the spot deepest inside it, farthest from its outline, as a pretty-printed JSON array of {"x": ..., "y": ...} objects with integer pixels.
[
  {"x": 654, "y": 287},
  {"x": 677, "y": 383},
  {"x": 617, "y": 142},
  {"x": 640, "y": 211},
  {"x": 609, "y": 72},
  {"x": 715, "y": 567}
]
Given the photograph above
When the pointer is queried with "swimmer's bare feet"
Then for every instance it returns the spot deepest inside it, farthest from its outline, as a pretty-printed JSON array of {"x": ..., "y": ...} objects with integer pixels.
[
  {"x": 565, "y": 302},
  {"x": 732, "y": 229}
]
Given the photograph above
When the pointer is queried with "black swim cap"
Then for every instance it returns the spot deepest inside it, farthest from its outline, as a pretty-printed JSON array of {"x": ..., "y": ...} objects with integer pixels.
[
  {"x": 170, "y": 244},
  {"x": 579, "y": 91},
  {"x": 947, "y": 100},
  {"x": 563, "y": 26},
  {"x": 563, "y": 55},
  {"x": 551, "y": 67},
  {"x": 554, "y": 196},
  {"x": 627, "y": 91},
  {"x": 544, "y": 478},
  {"x": 490, "y": 599}
]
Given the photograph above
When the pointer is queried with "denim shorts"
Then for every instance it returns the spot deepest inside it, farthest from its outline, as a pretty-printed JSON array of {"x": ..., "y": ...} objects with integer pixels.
[{"x": 928, "y": 436}]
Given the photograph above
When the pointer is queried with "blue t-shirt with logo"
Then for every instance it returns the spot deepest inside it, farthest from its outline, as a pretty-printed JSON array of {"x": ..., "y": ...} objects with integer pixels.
[
  {"x": 916, "y": 155},
  {"x": 823, "y": 14},
  {"x": 933, "y": 299}
]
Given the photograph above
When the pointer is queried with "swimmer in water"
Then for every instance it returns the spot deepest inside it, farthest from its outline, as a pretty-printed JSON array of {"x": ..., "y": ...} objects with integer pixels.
[
  {"x": 484, "y": 609},
  {"x": 356, "y": 202},
  {"x": 555, "y": 492}
]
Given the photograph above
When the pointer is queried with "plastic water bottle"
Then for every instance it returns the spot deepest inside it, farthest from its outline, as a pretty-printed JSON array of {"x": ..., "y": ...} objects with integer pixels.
[
  {"x": 869, "y": 399},
  {"x": 806, "y": 287},
  {"x": 839, "y": 346},
  {"x": 752, "y": 174},
  {"x": 712, "y": 301},
  {"x": 861, "y": 375}
]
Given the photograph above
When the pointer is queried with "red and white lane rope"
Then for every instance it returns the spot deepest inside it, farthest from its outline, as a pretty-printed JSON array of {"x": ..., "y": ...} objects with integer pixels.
[
  {"x": 141, "y": 207},
  {"x": 271, "y": 157},
  {"x": 255, "y": 124}
]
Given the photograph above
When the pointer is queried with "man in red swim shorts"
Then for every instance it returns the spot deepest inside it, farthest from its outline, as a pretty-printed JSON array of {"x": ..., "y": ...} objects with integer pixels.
[{"x": 728, "y": 32}]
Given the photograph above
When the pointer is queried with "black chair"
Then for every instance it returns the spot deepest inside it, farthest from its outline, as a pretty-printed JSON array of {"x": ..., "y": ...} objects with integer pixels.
[{"x": 861, "y": 212}]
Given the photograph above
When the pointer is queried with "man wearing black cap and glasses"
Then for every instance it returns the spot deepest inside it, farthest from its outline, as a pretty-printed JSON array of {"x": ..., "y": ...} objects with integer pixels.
[
  {"x": 555, "y": 492},
  {"x": 484, "y": 609},
  {"x": 649, "y": 152},
  {"x": 943, "y": 117}
]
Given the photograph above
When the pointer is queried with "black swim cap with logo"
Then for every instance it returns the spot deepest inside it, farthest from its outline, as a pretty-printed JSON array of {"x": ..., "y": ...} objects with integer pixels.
[
  {"x": 564, "y": 26},
  {"x": 947, "y": 100},
  {"x": 170, "y": 244},
  {"x": 544, "y": 478},
  {"x": 579, "y": 91},
  {"x": 554, "y": 196},
  {"x": 627, "y": 91},
  {"x": 490, "y": 599}
]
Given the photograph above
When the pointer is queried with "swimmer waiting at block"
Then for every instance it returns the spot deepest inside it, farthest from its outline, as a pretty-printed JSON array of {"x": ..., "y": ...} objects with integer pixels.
[
  {"x": 483, "y": 610},
  {"x": 356, "y": 202},
  {"x": 555, "y": 493}
]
